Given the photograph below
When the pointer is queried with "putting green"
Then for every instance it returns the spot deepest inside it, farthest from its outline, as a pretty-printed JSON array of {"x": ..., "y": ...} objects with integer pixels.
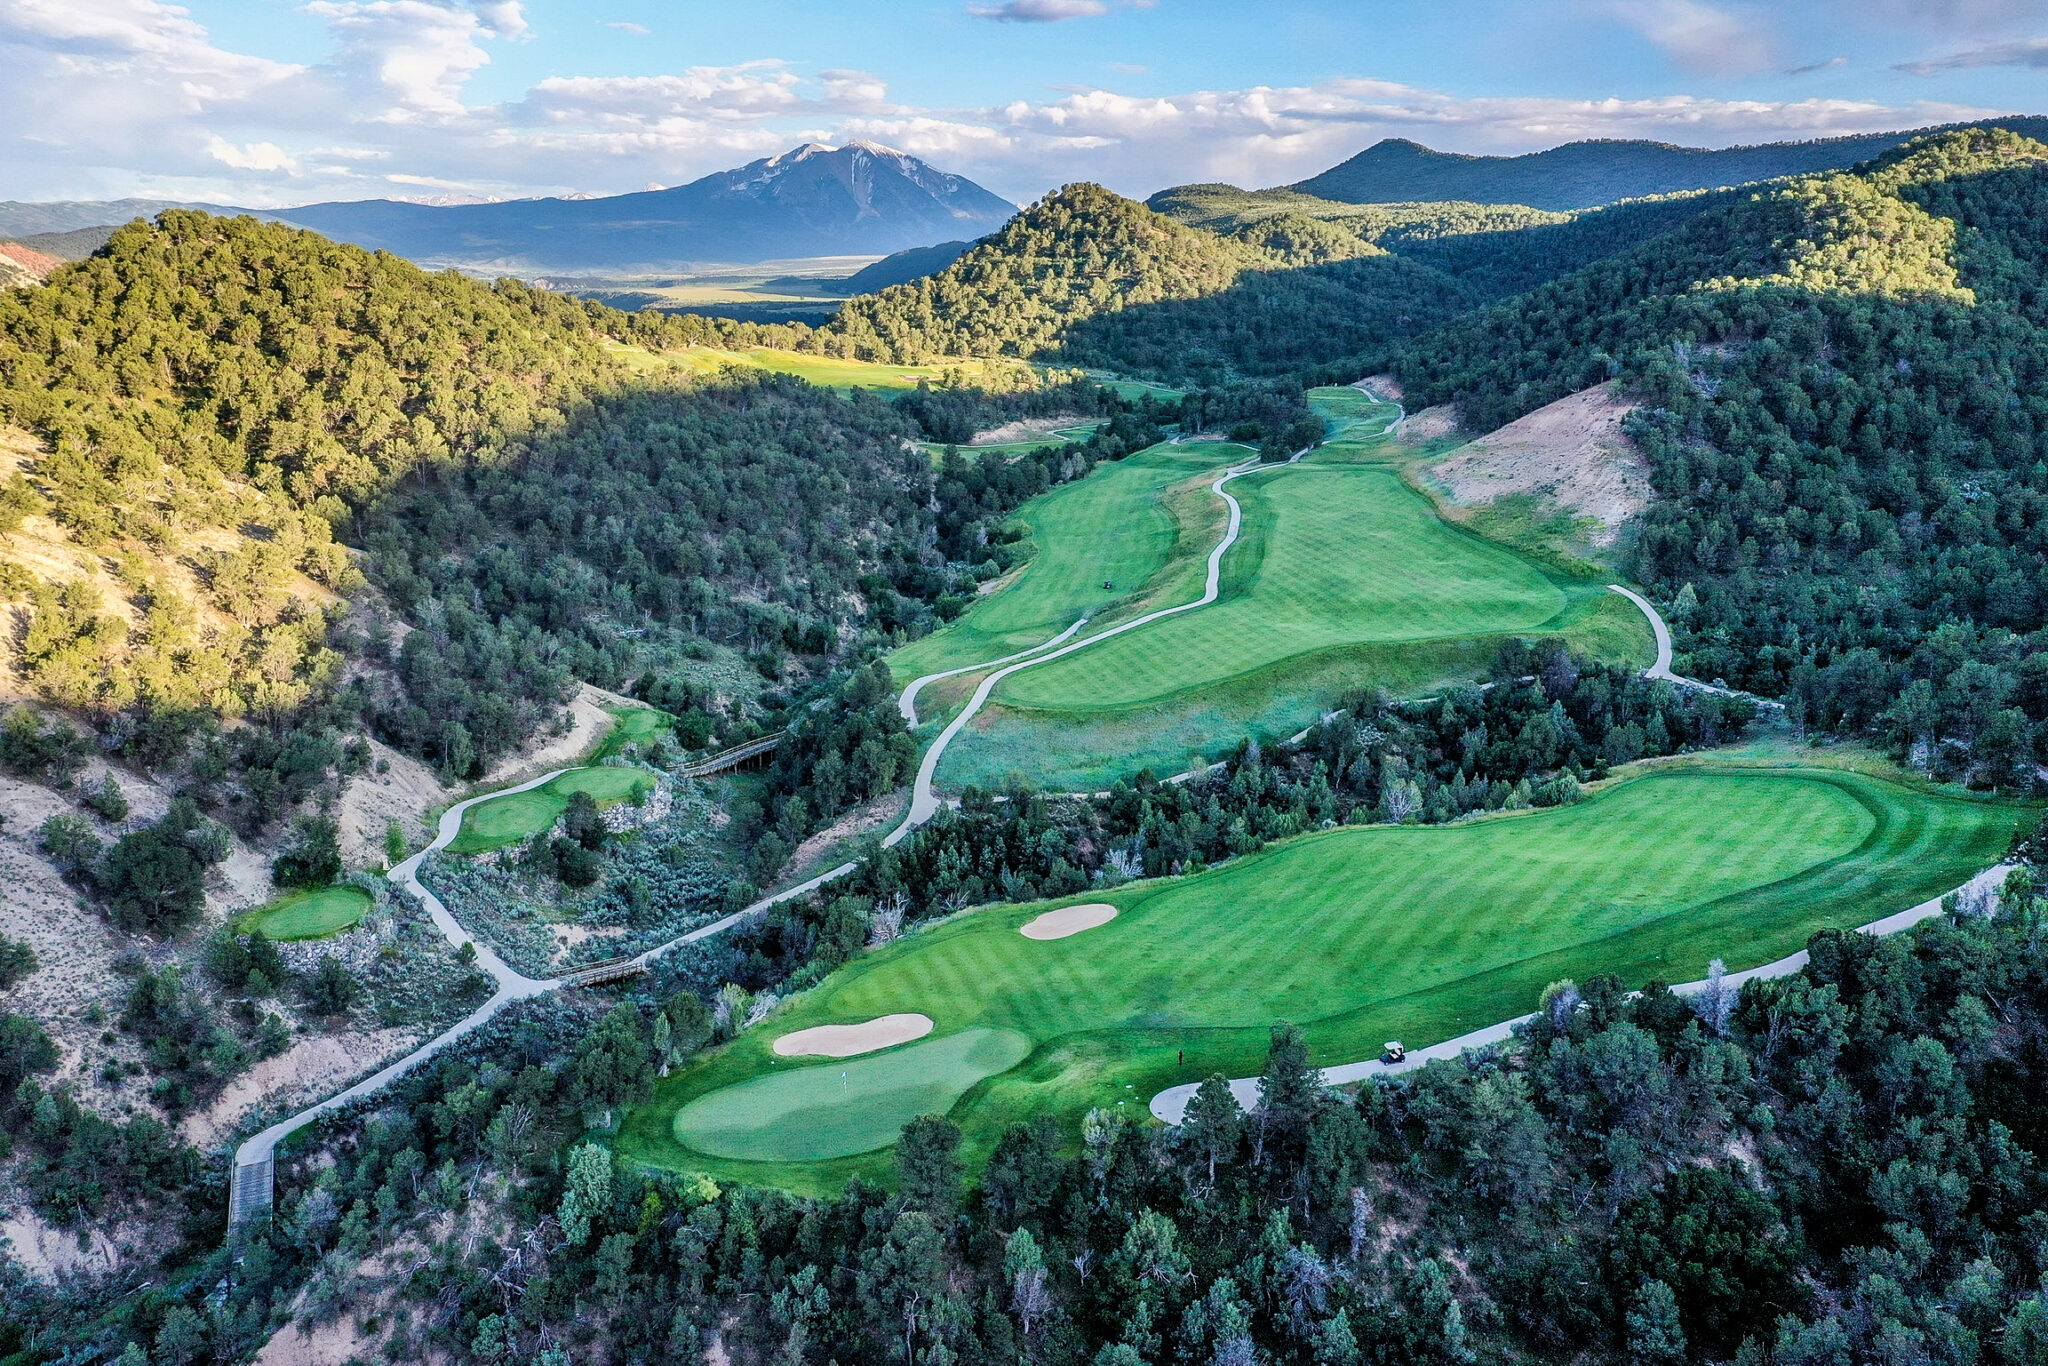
[
  {"x": 308, "y": 914},
  {"x": 1115, "y": 526},
  {"x": 509, "y": 819},
  {"x": 847, "y": 1107},
  {"x": 1362, "y": 934}
]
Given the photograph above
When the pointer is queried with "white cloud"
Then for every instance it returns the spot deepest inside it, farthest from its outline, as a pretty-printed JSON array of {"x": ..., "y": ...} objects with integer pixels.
[
  {"x": 855, "y": 91},
  {"x": 1809, "y": 68},
  {"x": 415, "y": 54},
  {"x": 504, "y": 18},
  {"x": 112, "y": 97},
  {"x": 1948, "y": 15},
  {"x": 710, "y": 94},
  {"x": 628, "y": 26},
  {"x": 1700, "y": 37},
  {"x": 256, "y": 156}
]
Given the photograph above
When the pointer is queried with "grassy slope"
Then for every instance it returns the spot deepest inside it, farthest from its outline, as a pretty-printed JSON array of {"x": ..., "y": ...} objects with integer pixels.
[
  {"x": 307, "y": 914},
  {"x": 1115, "y": 525},
  {"x": 828, "y": 372},
  {"x": 1365, "y": 934},
  {"x": 1345, "y": 577},
  {"x": 631, "y": 726}
]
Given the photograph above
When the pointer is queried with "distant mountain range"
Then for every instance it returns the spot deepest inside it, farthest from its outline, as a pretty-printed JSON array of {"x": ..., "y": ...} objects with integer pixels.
[
  {"x": 19, "y": 220},
  {"x": 1579, "y": 175},
  {"x": 858, "y": 200}
]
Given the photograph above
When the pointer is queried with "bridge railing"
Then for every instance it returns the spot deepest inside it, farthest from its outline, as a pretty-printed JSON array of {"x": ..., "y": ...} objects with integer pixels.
[
  {"x": 728, "y": 758},
  {"x": 609, "y": 970}
]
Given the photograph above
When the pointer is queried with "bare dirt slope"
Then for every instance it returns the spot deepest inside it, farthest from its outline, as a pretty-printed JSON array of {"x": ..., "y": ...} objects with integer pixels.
[
  {"x": 20, "y": 265},
  {"x": 1026, "y": 429},
  {"x": 1572, "y": 453},
  {"x": 588, "y": 721},
  {"x": 396, "y": 787},
  {"x": 1386, "y": 386},
  {"x": 48, "y": 1253},
  {"x": 1431, "y": 424},
  {"x": 74, "y": 947},
  {"x": 313, "y": 1067}
]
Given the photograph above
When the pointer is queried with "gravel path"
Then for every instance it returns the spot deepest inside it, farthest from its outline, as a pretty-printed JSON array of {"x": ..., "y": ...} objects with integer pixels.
[{"x": 1662, "y": 668}]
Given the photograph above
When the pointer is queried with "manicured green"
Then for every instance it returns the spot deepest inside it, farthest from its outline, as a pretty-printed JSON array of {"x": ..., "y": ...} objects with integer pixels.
[
  {"x": 312, "y": 914},
  {"x": 518, "y": 815},
  {"x": 854, "y": 1105},
  {"x": 1329, "y": 558},
  {"x": 1116, "y": 525},
  {"x": 1363, "y": 934},
  {"x": 1343, "y": 577}
]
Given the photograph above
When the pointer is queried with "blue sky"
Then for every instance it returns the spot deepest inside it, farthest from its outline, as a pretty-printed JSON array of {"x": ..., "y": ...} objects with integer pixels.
[{"x": 268, "y": 102}]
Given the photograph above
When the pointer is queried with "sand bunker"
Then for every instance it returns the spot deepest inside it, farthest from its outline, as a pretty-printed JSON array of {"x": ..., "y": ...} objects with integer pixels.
[
  {"x": 1069, "y": 920},
  {"x": 843, "y": 1041}
]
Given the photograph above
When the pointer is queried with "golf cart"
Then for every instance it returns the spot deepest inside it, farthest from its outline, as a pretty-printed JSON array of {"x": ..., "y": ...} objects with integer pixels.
[{"x": 1394, "y": 1052}]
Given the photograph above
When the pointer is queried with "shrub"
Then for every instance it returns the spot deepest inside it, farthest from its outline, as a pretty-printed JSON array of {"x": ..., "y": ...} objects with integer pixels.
[
  {"x": 313, "y": 857},
  {"x": 154, "y": 878},
  {"x": 109, "y": 801},
  {"x": 331, "y": 988},
  {"x": 71, "y": 845},
  {"x": 17, "y": 960}
]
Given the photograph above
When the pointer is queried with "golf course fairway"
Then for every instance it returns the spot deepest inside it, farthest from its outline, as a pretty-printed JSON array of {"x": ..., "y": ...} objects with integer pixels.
[
  {"x": 1114, "y": 527},
  {"x": 1343, "y": 577},
  {"x": 1358, "y": 934}
]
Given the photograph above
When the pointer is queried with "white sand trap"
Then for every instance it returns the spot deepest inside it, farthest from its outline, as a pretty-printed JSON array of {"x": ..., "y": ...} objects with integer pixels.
[
  {"x": 1069, "y": 920},
  {"x": 843, "y": 1041}
]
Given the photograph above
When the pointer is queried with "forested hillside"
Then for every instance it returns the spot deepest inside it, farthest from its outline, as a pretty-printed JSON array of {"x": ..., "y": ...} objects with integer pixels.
[
  {"x": 1847, "y": 430},
  {"x": 1075, "y": 253},
  {"x": 206, "y": 414},
  {"x": 1209, "y": 283},
  {"x": 222, "y": 394}
]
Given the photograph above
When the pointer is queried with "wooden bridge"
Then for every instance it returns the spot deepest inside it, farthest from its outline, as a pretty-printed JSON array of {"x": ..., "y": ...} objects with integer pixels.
[
  {"x": 734, "y": 757},
  {"x": 610, "y": 970}
]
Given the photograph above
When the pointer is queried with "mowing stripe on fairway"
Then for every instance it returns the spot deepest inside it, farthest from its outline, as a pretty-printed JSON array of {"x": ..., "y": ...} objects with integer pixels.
[{"x": 1111, "y": 527}]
